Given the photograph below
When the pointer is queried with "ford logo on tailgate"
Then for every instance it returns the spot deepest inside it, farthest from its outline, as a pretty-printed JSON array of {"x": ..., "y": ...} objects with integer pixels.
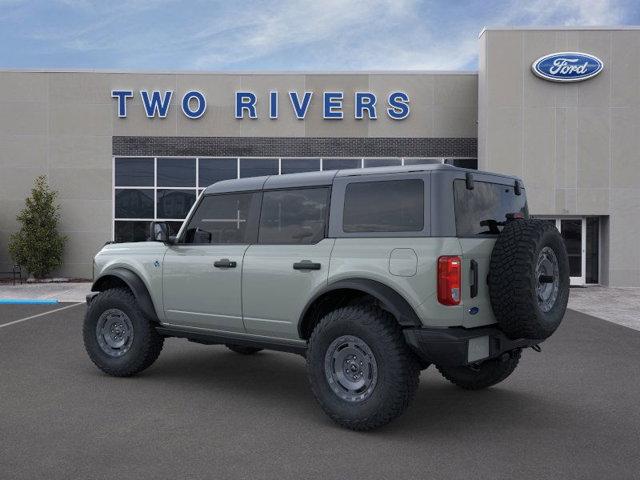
[{"x": 567, "y": 66}]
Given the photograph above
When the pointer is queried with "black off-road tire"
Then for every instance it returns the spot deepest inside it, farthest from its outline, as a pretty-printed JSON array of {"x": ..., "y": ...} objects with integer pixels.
[
  {"x": 398, "y": 370},
  {"x": 242, "y": 349},
  {"x": 145, "y": 345},
  {"x": 484, "y": 375},
  {"x": 513, "y": 280}
]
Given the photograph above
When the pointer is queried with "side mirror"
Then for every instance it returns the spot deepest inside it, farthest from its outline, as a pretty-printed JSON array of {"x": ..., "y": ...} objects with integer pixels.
[{"x": 159, "y": 232}]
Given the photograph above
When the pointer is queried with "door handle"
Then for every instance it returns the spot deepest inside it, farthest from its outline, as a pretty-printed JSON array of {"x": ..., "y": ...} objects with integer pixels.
[
  {"x": 306, "y": 265},
  {"x": 473, "y": 290},
  {"x": 224, "y": 263}
]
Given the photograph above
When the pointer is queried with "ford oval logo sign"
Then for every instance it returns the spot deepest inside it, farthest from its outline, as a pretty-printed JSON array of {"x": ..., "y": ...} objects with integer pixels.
[{"x": 567, "y": 66}]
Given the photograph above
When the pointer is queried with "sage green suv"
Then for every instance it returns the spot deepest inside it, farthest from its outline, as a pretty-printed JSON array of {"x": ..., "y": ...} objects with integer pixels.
[{"x": 371, "y": 274}]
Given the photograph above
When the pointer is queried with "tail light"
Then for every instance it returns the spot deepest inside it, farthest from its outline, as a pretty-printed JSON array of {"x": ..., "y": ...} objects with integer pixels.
[{"x": 449, "y": 281}]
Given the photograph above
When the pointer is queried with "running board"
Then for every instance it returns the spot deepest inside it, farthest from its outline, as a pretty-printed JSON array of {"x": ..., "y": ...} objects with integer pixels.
[{"x": 208, "y": 338}]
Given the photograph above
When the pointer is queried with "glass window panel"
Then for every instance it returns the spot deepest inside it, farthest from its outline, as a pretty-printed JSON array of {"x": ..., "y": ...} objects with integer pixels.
[
  {"x": 258, "y": 167},
  {"x": 593, "y": 249},
  {"x": 225, "y": 218},
  {"x": 134, "y": 172},
  {"x": 131, "y": 231},
  {"x": 293, "y": 216},
  {"x": 381, "y": 162},
  {"x": 174, "y": 227},
  {"x": 401, "y": 211},
  {"x": 176, "y": 172},
  {"x": 299, "y": 165},
  {"x": 340, "y": 163},
  {"x": 421, "y": 161},
  {"x": 471, "y": 163},
  {"x": 571, "y": 231},
  {"x": 483, "y": 210},
  {"x": 212, "y": 170},
  {"x": 175, "y": 203},
  {"x": 134, "y": 203}
]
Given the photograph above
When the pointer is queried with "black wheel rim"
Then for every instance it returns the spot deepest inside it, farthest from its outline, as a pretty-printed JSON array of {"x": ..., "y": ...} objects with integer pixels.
[
  {"x": 114, "y": 332},
  {"x": 351, "y": 368},
  {"x": 547, "y": 279}
]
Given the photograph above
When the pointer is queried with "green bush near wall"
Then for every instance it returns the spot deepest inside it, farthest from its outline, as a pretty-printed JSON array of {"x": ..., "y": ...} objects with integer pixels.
[{"x": 37, "y": 246}]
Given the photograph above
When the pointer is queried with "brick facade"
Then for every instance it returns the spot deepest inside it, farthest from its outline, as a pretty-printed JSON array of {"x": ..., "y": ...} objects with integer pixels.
[{"x": 294, "y": 146}]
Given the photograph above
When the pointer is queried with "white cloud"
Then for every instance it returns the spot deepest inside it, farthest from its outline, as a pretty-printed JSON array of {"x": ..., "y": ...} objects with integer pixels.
[
  {"x": 305, "y": 34},
  {"x": 348, "y": 34},
  {"x": 569, "y": 12}
]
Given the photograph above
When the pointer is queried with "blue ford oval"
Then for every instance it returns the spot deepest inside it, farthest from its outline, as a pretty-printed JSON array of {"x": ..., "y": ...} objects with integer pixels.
[{"x": 567, "y": 66}]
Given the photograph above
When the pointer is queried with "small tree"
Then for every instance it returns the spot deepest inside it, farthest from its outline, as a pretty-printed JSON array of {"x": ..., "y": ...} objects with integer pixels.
[{"x": 38, "y": 246}]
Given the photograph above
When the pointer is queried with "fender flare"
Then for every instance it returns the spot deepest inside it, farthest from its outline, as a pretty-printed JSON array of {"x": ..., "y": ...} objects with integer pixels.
[
  {"x": 389, "y": 299},
  {"x": 135, "y": 284}
]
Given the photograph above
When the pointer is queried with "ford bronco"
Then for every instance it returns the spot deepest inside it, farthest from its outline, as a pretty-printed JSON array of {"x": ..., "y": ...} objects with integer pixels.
[{"x": 371, "y": 274}]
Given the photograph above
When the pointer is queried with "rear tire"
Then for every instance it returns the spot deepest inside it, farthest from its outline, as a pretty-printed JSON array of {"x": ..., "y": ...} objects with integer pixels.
[
  {"x": 118, "y": 337},
  {"x": 484, "y": 375},
  {"x": 362, "y": 373},
  {"x": 242, "y": 350}
]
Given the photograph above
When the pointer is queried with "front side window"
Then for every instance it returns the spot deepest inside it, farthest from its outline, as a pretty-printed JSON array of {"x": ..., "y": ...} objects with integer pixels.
[
  {"x": 297, "y": 216},
  {"x": 483, "y": 210},
  {"x": 223, "y": 219},
  {"x": 384, "y": 206}
]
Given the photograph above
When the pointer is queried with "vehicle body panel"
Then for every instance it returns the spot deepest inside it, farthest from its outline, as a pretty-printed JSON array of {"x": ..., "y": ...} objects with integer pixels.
[
  {"x": 198, "y": 294},
  {"x": 478, "y": 249},
  {"x": 369, "y": 258},
  {"x": 142, "y": 258},
  {"x": 274, "y": 294}
]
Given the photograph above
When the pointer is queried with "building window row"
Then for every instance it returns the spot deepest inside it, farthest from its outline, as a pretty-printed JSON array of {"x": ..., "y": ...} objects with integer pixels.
[{"x": 148, "y": 189}]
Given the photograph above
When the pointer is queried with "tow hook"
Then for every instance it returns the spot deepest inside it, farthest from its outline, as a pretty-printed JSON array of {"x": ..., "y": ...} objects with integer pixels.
[{"x": 536, "y": 348}]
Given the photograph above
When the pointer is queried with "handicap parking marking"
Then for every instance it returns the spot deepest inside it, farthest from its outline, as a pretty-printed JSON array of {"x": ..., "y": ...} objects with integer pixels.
[{"x": 20, "y": 320}]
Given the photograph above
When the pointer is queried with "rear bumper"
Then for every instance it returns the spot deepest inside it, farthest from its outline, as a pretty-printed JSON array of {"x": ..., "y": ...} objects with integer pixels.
[{"x": 457, "y": 346}]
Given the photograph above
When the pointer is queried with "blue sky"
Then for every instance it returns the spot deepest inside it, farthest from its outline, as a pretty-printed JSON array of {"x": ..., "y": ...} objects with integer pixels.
[{"x": 274, "y": 35}]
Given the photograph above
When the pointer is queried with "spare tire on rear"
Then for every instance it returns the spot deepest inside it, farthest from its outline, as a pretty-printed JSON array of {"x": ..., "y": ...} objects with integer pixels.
[{"x": 529, "y": 279}]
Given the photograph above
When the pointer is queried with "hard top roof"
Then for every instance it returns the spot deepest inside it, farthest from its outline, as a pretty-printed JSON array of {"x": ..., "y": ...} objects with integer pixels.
[{"x": 321, "y": 178}]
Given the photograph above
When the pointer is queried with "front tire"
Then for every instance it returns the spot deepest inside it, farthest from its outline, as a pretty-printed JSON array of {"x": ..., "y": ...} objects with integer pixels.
[
  {"x": 361, "y": 371},
  {"x": 484, "y": 375},
  {"x": 118, "y": 337}
]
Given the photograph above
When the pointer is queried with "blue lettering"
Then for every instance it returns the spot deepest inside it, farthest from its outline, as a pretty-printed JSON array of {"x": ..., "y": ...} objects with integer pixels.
[
  {"x": 365, "y": 101},
  {"x": 398, "y": 105},
  {"x": 200, "y": 100},
  {"x": 122, "y": 96},
  {"x": 156, "y": 105},
  {"x": 332, "y": 105},
  {"x": 246, "y": 101},
  {"x": 300, "y": 109},
  {"x": 273, "y": 105}
]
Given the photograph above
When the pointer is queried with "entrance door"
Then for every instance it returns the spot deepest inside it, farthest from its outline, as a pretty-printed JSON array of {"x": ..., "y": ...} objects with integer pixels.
[
  {"x": 582, "y": 239},
  {"x": 573, "y": 231}
]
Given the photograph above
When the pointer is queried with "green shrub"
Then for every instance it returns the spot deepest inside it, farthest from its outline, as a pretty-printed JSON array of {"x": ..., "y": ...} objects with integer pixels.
[{"x": 37, "y": 246}]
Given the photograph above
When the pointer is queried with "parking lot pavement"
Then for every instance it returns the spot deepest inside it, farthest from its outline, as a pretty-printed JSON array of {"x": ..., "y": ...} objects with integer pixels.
[
  {"x": 61, "y": 291},
  {"x": 614, "y": 304},
  {"x": 205, "y": 412}
]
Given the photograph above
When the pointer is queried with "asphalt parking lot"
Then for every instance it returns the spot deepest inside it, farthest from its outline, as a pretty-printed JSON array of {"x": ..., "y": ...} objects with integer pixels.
[{"x": 572, "y": 411}]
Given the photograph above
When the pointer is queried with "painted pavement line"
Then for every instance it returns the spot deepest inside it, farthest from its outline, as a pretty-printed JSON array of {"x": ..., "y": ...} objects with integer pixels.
[
  {"x": 40, "y": 315},
  {"x": 28, "y": 301}
]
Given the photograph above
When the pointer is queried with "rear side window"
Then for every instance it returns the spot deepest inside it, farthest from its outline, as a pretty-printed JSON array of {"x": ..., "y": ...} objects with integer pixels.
[
  {"x": 384, "y": 206},
  {"x": 483, "y": 210},
  {"x": 224, "y": 219},
  {"x": 297, "y": 216}
]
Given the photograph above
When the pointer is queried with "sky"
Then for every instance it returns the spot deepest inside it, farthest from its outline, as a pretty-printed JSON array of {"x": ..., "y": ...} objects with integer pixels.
[{"x": 278, "y": 35}]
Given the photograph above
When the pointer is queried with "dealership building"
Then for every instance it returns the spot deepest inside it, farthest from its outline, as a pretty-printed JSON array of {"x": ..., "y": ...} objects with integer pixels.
[{"x": 123, "y": 149}]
